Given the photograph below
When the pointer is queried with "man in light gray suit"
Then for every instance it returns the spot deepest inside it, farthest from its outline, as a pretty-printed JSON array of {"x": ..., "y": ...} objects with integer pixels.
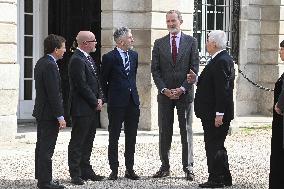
[{"x": 172, "y": 58}]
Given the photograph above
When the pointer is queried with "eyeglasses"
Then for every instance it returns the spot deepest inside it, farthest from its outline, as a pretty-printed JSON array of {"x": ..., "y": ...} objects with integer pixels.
[{"x": 91, "y": 41}]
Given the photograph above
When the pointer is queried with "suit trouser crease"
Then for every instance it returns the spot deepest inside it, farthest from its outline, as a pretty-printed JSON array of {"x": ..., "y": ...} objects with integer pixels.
[
  {"x": 81, "y": 144},
  {"x": 128, "y": 115},
  {"x": 47, "y": 132},
  {"x": 214, "y": 138},
  {"x": 166, "y": 119}
]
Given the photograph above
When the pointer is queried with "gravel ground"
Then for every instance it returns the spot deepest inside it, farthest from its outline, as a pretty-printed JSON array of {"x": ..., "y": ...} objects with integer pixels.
[{"x": 248, "y": 150}]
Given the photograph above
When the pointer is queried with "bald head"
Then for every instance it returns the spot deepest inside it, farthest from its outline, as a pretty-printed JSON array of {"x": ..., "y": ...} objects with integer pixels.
[
  {"x": 86, "y": 41},
  {"x": 84, "y": 36}
]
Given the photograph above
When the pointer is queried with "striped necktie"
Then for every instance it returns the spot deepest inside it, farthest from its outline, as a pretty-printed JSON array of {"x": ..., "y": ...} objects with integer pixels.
[{"x": 126, "y": 63}]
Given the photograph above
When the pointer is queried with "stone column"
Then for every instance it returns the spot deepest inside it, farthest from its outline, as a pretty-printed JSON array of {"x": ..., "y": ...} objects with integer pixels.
[
  {"x": 259, "y": 42},
  {"x": 146, "y": 19},
  {"x": 9, "y": 69}
]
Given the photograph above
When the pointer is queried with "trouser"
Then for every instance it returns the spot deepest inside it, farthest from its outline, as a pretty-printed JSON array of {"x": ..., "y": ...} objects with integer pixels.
[
  {"x": 128, "y": 115},
  {"x": 81, "y": 144},
  {"x": 216, "y": 153},
  {"x": 165, "y": 122},
  {"x": 47, "y": 132}
]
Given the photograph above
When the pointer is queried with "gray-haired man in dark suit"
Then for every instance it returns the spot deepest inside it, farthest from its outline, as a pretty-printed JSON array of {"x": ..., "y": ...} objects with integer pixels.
[{"x": 172, "y": 58}]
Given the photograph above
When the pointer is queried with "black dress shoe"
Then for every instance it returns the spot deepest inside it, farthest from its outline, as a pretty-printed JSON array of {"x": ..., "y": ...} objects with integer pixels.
[
  {"x": 50, "y": 185},
  {"x": 131, "y": 175},
  {"x": 93, "y": 177},
  {"x": 211, "y": 184},
  {"x": 77, "y": 181},
  {"x": 189, "y": 175},
  {"x": 227, "y": 179},
  {"x": 162, "y": 173},
  {"x": 112, "y": 176}
]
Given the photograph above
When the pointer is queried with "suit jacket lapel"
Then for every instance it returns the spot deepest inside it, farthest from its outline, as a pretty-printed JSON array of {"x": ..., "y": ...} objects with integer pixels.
[
  {"x": 183, "y": 45},
  {"x": 79, "y": 53},
  {"x": 166, "y": 46},
  {"x": 120, "y": 61}
]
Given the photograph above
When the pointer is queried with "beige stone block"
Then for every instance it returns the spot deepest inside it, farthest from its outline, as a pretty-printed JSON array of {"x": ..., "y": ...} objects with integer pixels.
[
  {"x": 281, "y": 28},
  {"x": 124, "y": 5},
  {"x": 270, "y": 27},
  {"x": 107, "y": 37},
  {"x": 9, "y": 76},
  {"x": 8, "y": 33},
  {"x": 251, "y": 12},
  {"x": 8, "y": 12},
  {"x": 166, "y": 5},
  {"x": 143, "y": 79},
  {"x": 253, "y": 56},
  {"x": 8, "y": 127},
  {"x": 253, "y": 42},
  {"x": 8, "y": 53},
  {"x": 253, "y": 27},
  {"x": 281, "y": 16},
  {"x": 269, "y": 42},
  {"x": 105, "y": 50},
  {"x": 158, "y": 33},
  {"x": 270, "y": 12},
  {"x": 246, "y": 107},
  {"x": 144, "y": 54},
  {"x": 118, "y": 19},
  {"x": 142, "y": 37},
  {"x": 269, "y": 57},
  {"x": 268, "y": 73},
  {"x": 264, "y": 2},
  {"x": 266, "y": 98},
  {"x": 9, "y": 101}
]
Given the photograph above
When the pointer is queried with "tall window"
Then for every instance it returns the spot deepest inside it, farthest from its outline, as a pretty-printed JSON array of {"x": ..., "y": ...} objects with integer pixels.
[
  {"x": 212, "y": 15},
  {"x": 28, "y": 49}
]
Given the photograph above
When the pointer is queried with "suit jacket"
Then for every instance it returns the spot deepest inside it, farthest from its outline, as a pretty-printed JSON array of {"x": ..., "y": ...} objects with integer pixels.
[
  {"x": 84, "y": 86},
  {"x": 48, "y": 101},
  {"x": 166, "y": 74},
  {"x": 215, "y": 86},
  {"x": 118, "y": 87}
]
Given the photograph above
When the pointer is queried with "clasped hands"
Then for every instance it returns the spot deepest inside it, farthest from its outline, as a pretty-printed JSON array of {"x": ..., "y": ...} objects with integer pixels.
[{"x": 173, "y": 94}]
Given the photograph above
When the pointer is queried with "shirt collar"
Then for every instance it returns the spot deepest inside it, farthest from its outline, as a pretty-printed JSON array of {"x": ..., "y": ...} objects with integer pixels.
[
  {"x": 120, "y": 50},
  {"x": 215, "y": 54},
  {"x": 52, "y": 57},
  {"x": 178, "y": 35},
  {"x": 86, "y": 54}
]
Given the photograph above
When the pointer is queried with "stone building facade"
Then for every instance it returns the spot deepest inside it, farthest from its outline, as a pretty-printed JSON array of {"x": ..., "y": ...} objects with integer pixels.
[{"x": 260, "y": 31}]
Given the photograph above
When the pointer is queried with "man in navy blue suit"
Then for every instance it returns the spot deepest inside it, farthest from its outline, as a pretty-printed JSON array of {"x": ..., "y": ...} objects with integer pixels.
[{"x": 119, "y": 69}]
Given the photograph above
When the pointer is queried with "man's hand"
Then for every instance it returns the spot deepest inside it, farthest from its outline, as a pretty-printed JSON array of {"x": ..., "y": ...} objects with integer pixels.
[
  {"x": 176, "y": 93},
  {"x": 62, "y": 124},
  {"x": 100, "y": 104},
  {"x": 191, "y": 77},
  {"x": 218, "y": 120},
  {"x": 277, "y": 110}
]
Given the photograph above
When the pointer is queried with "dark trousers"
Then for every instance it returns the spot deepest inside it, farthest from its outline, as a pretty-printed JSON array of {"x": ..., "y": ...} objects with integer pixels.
[
  {"x": 216, "y": 153},
  {"x": 130, "y": 116},
  {"x": 47, "y": 132},
  {"x": 165, "y": 122},
  {"x": 81, "y": 144}
]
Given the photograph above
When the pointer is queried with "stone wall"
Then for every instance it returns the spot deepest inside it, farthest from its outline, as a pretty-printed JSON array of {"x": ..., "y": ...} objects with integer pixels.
[
  {"x": 9, "y": 70},
  {"x": 259, "y": 43},
  {"x": 146, "y": 18}
]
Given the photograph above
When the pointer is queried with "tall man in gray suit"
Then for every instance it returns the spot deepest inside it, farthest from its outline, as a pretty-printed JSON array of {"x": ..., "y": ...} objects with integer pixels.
[{"x": 172, "y": 58}]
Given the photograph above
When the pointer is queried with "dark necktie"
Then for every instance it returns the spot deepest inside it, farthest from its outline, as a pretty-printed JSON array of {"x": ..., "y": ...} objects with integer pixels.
[
  {"x": 126, "y": 63},
  {"x": 91, "y": 61},
  {"x": 174, "y": 48}
]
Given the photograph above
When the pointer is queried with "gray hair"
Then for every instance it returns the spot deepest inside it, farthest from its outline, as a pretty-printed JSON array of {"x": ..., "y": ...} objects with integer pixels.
[
  {"x": 120, "y": 32},
  {"x": 177, "y": 12},
  {"x": 219, "y": 37}
]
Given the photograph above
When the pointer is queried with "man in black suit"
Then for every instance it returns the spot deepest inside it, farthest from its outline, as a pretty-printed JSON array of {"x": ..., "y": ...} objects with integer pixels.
[
  {"x": 85, "y": 104},
  {"x": 214, "y": 105},
  {"x": 119, "y": 69},
  {"x": 172, "y": 57},
  {"x": 48, "y": 109}
]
